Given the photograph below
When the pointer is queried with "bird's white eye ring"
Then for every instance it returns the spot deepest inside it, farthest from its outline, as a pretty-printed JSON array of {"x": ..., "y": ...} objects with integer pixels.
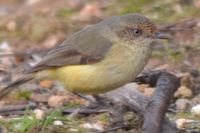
[{"x": 137, "y": 32}]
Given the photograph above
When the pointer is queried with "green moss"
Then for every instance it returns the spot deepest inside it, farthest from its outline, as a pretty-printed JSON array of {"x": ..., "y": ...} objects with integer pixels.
[
  {"x": 24, "y": 95},
  {"x": 50, "y": 118},
  {"x": 38, "y": 31},
  {"x": 71, "y": 105},
  {"x": 185, "y": 115},
  {"x": 23, "y": 124},
  {"x": 176, "y": 56},
  {"x": 64, "y": 13},
  {"x": 104, "y": 117},
  {"x": 157, "y": 54},
  {"x": 160, "y": 11}
]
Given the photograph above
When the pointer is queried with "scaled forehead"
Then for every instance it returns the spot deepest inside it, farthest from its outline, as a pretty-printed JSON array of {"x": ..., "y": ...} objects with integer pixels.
[{"x": 136, "y": 20}]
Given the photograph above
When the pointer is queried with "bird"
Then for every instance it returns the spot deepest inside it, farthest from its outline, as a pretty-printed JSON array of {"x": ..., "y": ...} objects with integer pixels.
[{"x": 99, "y": 58}]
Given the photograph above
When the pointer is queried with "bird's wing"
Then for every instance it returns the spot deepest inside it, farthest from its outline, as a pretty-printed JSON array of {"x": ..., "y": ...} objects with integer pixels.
[{"x": 84, "y": 47}]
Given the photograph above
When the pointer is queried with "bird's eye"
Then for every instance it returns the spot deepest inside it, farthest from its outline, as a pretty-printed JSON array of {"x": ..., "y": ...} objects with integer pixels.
[{"x": 137, "y": 32}]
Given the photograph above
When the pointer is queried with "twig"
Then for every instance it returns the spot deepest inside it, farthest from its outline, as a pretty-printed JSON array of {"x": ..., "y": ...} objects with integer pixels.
[
  {"x": 154, "y": 114},
  {"x": 86, "y": 111},
  {"x": 12, "y": 109},
  {"x": 112, "y": 129}
]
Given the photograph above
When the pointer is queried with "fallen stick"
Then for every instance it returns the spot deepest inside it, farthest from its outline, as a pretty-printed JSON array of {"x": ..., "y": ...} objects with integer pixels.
[
  {"x": 16, "y": 109},
  {"x": 154, "y": 113}
]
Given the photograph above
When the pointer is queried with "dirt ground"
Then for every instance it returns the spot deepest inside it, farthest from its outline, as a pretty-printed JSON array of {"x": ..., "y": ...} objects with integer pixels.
[{"x": 29, "y": 28}]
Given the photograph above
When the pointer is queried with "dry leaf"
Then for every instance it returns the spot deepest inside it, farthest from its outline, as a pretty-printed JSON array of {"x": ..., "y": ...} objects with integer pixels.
[
  {"x": 181, "y": 123},
  {"x": 57, "y": 101},
  {"x": 40, "y": 97},
  {"x": 11, "y": 26},
  {"x": 46, "y": 83},
  {"x": 183, "y": 92}
]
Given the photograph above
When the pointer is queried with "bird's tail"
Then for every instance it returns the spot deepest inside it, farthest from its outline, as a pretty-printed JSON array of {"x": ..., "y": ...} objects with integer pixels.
[{"x": 10, "y": 87}]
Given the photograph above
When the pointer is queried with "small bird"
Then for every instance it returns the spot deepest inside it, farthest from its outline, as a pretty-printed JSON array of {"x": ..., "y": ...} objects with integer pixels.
[{"x": 98, "y": 58}]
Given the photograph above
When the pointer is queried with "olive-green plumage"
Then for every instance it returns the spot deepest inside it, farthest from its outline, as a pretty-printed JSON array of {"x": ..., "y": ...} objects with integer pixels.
[{"x": 100, "y": 57}]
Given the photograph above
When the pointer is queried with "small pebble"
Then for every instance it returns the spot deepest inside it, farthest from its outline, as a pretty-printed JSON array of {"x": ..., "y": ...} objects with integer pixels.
[
  {"x": 196, "y": 109},
  {"x": 182, "y": 104},
  {"x": 73, "y": 130},
  {"x": 57, "y": 123},
  {"x": 1, "y": 117},
  {"x": 195, "y": 100},
  {"x": 39, "y": 114},
  {"x": 183, "y": 92},
  {"x": 57, "y": 101},
  {"x": 95, "y": 126},
  {"x": 11, "y": 26},
  {"x": 181, "y": 123}
]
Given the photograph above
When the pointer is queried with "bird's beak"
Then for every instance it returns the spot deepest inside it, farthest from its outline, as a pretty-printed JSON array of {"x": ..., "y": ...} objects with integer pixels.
[{"x": 159, "y": 35}]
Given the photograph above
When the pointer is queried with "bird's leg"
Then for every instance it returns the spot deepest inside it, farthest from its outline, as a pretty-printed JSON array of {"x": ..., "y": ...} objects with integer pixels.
[
  {"x": 96, "y": 101},
  {"x": 96, "y": 98},
  {"x": 100, "y": 100},
  {"x": 84, "y": 97}
]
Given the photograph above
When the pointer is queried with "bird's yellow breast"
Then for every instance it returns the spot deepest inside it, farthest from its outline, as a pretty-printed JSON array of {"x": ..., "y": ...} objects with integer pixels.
[{"x": 121, "y": 65}]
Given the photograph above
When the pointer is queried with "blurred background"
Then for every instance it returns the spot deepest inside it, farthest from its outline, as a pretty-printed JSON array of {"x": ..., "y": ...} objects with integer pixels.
[
  {"x": 28, "y": 28},
  {"x": 37, "y": 25}
]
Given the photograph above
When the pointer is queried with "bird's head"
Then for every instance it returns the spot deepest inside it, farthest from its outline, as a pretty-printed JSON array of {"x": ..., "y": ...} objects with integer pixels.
[{"x": 136, "y": 30}]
